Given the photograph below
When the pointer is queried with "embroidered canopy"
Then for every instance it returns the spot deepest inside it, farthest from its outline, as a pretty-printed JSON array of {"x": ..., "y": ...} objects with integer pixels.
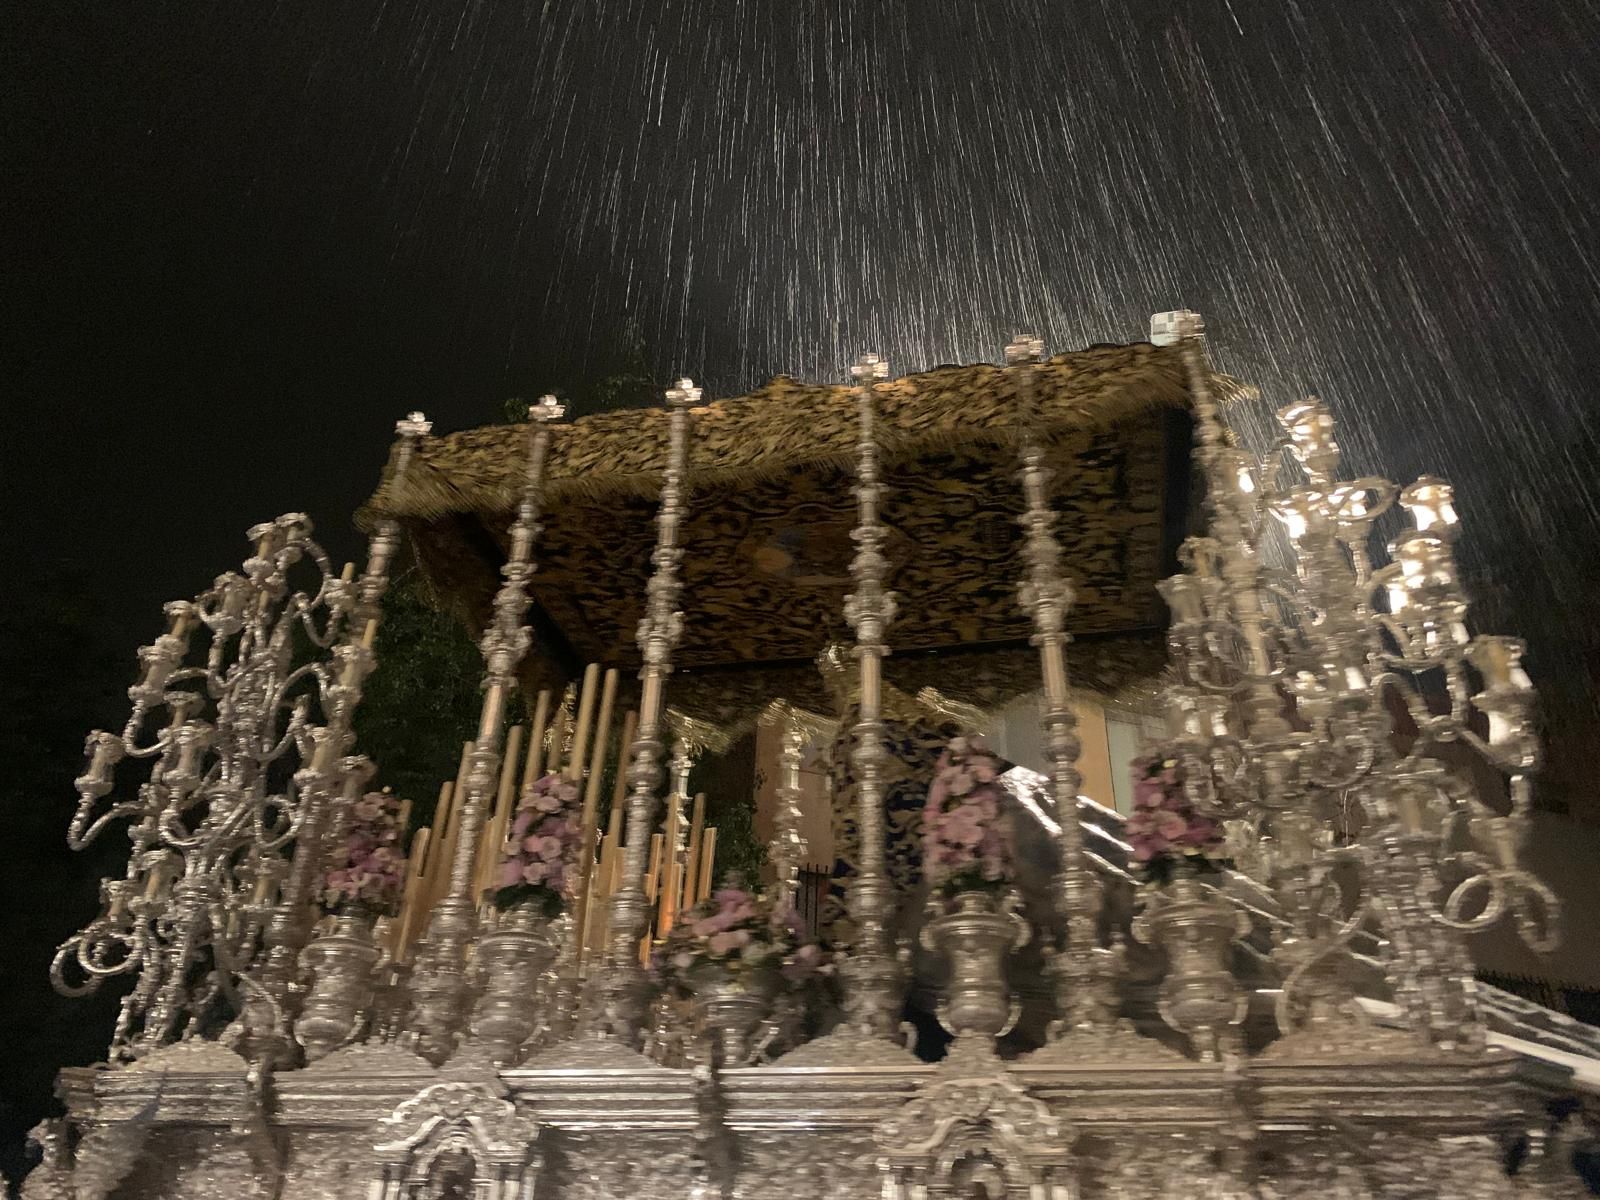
[{"x": 767, "y": 537}]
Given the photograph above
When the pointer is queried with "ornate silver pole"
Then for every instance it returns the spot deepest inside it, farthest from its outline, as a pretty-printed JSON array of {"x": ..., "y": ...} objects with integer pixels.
[
  {"x": 328, "y": 790},
  {"x": 873, "y": 971},
  {"x": 622, "y": 984},
  {"x": 1082, "y": 969},
  {"x": 1233, "y": 510},
  {"x": 439, "y": 980}
]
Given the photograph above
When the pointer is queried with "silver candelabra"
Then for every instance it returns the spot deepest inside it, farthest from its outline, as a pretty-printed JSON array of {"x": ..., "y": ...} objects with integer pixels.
[
  {"x": 1334, "y": 713},
  {"x": 243, "y": 713}
]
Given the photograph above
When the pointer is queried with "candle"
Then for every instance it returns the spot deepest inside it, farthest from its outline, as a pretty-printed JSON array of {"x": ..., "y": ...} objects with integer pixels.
[
  {"x": 580, "y": 737},
  {"x": 496, "y": 828},
  {"x": 156, "y": 880},
  {"x": 1431, "y": 503},
  {"x": 1499, "y": 661},
  {"x": 1185, "y": 597},
  {"x": 1295, "y": 837},
  {"x": 1211, "y": 713},
  {"x": 1310, "y": 429},
  {"x": 1181, "y": 716},
  {"x": 670, "y": 880},
  {"x": 651, "y": 878},
  {"x": 1411, "y": 810},
  {"x": 708, "y": 862},
  {"x": 691, "y": 864},
  {"x": 591, "y": 813},
  {"x": 541, "y": 717},
  {"x": 1241, "y": 468},
  {"x": 1298, "y": 510}
]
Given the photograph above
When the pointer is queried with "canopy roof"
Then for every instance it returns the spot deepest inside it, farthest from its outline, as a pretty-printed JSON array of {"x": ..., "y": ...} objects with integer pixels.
[{"x": 770, "y": 509}]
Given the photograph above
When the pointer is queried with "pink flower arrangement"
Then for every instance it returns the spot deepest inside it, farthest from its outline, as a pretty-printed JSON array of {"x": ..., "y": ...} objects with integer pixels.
[
  {"x": 538, "y": 863},
  {"x": 1166, "y": 833},
  {"x": 736, "y": 931},
  {"x": 369, "y": 877},
  {"x": 966, "y": 837}
]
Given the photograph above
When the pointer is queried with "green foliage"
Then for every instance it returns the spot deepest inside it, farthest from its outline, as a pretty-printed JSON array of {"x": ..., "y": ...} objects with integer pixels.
[
  {"x": 421, "y": 703},
  {"x": 728, "y": 780}
]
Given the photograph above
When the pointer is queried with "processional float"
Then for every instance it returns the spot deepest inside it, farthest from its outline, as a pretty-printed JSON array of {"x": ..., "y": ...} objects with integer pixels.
[{"x": 1257, "y": 979}]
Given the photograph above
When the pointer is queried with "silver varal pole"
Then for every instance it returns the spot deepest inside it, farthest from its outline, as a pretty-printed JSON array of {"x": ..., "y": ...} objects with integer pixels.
[
  {"x": 439, "y": 983},
  {"x": 329, "y": 781},
  {"x": 622, "y": 985},
  {"x": 873, "y": 972},
  {"x": 1082, "y": 969}
]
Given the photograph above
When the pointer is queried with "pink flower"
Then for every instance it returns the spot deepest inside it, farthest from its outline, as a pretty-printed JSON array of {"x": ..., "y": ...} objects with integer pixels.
[
  {"x": 730, "y": 897},
  {"x": 1171, "y": 825},
  {"x": 550, "y": 848},
  {"x": 535, "y": 872},
  {"x": 521, "y": 823},
  {"x": 1147, "y": 849},
  {"x": 510, "y": 872},
  {"x": 1148, "y": 793},
  {"x": 722, "y": 943}
]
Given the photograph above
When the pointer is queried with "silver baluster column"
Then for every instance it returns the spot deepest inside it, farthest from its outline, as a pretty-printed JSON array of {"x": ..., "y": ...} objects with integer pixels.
[
  {"x": 1232, "y": 511},
  {"x": 873, "y": 971},
  {"x": 788, "y": 849},
  {"x": 439, "y": 981},
  {"x": 1082, "y": 969},
  {"x": 622, "y": 983},
  {"x": 326, "y": 784}
]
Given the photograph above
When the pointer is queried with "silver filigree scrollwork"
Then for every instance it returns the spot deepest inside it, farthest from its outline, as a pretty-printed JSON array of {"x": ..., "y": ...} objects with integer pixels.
[
  {"x": 974, "y": 1131},
  {"x": 456, "y": 1139},
  {"x": 622, "y": 982},
  {"x": 439, "y": 977}
]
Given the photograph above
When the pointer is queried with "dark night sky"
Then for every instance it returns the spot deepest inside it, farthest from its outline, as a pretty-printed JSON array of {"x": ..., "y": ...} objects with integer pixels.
[{"x": 243, "y": 238}]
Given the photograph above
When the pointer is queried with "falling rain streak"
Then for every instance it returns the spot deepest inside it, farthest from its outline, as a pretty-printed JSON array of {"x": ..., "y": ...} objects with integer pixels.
[{"x": 1389, "y": 204}]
